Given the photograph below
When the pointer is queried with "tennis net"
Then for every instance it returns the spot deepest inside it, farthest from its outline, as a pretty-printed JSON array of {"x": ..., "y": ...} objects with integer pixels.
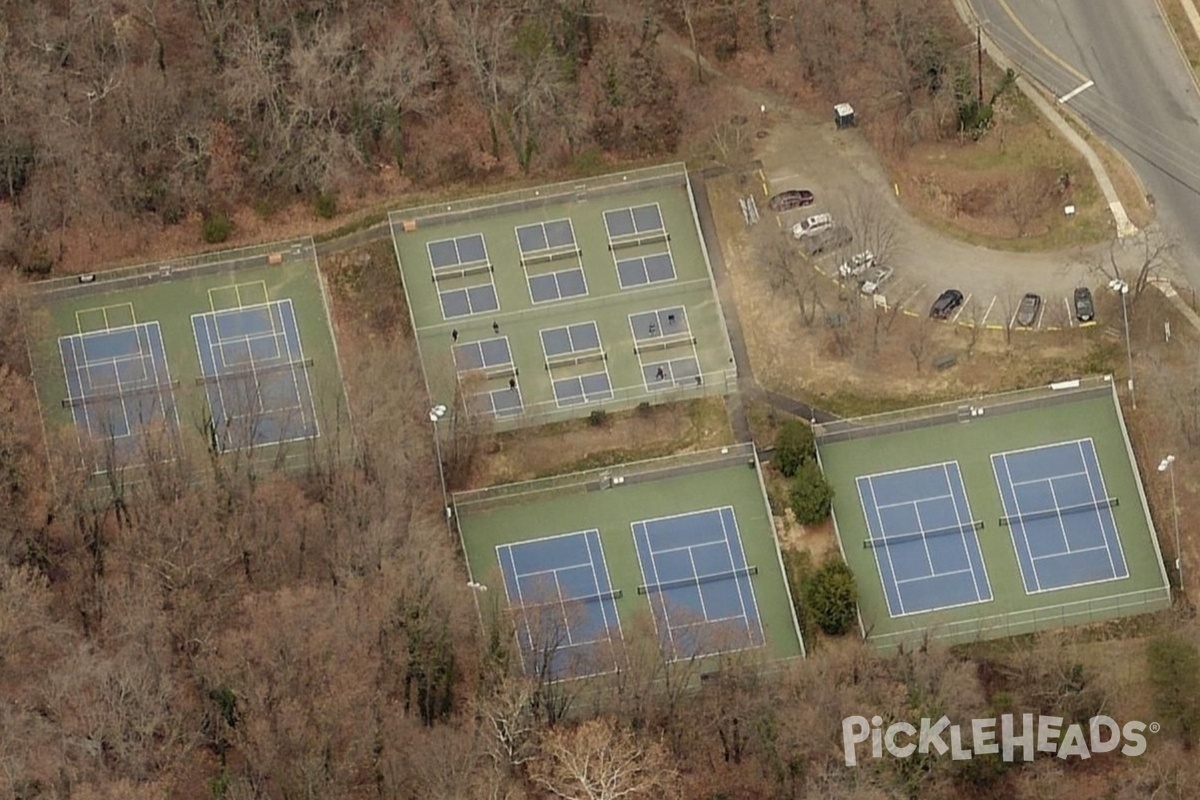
[
  {"x": 882, "y": 541},
  {"x": 636, "y": 240},
  {"x": 575, "y": 359},
  {"x": 615, "y": 594},
  {"x": 125, "y": 394},
  {"x": 541, "y": 257},
  {"x": 662, "y": 343},
  {"x": 255, "y": 372},
  {"x": 461, "y": 271},
  {"x": 697, "y": 580},
  {"x": 1107, "y": 502}
]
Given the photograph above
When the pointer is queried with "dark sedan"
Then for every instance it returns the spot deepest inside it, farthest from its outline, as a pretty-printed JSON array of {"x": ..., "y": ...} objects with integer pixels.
[
  {"x": 1084, "y": 310},
  {"x": 793, "y": 198},
  {"x": 946, "y": 304}
]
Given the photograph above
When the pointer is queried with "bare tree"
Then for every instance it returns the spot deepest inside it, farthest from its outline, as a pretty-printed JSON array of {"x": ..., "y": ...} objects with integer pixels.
[
  {"x": 873, "y": 224},
  {"x": 1147, "y": 257},
  {"x": 920, "y": 341},
  {"x": 598, "y": 761}
]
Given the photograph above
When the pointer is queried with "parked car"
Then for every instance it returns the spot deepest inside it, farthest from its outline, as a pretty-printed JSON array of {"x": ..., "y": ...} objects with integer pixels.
[
  {"x": 946, "y": 303},
  {"x": 876, "y": 278},
  {"x": 792, "y": 198},
  {"x": 1084, "y": 310},
  {"x": 812, "y": 225},
  {"x": 825, "y": 241},
  {"x": 857, "y": 264},
  {"x": 1027, "y": 312}
]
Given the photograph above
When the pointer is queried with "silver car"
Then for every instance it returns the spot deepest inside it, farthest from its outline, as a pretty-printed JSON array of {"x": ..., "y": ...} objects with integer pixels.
[
  {"x": 876, "y": 278},
  {"x": 856, "y": 265}
]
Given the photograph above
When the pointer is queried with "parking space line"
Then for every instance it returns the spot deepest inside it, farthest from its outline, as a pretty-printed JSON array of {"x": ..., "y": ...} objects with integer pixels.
[
  {"x": 912, "y": 296},
  {"x": 1070, "y": 316},
  {"x": 962, "y": 308},
  {"x": 988, "y": 313}
]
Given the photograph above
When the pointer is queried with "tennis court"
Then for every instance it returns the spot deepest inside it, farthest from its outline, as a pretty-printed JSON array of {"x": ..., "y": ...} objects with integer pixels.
[
  {"x": 1001, "y": 516},
  {"x": 561, "y": 591},
  {"x": 256, "y": 377},
  {"x": 119, "y": 387},
  {"x": 679, "y": 550},
  {"x": 695, "y": 575},
  {"x": 924, "y": 538},
  {"x": 222, "y": 351},
  {"x": 1060, "y": 515},
  {"x": 559, "y": 272}
]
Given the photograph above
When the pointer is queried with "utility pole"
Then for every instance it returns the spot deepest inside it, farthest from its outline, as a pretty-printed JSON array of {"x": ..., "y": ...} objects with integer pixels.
[{"x": 979, "y": 60}]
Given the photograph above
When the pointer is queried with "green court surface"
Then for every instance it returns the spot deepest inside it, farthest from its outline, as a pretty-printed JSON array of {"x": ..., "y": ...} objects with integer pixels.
[
  {"x": 523, "y": 527},
  {"x": 230, "y": 350},
  {"x": 522, "y": 313},
  {"x": 1064, "y": 566}
]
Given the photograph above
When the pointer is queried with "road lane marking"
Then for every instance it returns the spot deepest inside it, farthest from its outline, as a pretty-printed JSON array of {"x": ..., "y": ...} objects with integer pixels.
[{"x": 1083, "y": 87}]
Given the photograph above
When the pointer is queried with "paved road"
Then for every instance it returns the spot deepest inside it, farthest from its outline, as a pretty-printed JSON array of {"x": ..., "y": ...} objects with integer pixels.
[{"x": 1143, "y": 99}]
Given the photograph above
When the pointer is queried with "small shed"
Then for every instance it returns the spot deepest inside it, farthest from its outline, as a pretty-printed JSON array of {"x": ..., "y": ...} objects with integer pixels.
[{"x": 843, "y": 115}]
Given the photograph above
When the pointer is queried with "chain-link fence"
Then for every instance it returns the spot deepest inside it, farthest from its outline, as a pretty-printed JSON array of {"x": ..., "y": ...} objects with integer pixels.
[{"x": 480, "y": 501}]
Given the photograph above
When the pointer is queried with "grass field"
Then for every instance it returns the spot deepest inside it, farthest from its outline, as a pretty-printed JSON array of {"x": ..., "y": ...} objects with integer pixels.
[
  {"x": 1031, "y": 419},
  {"x": 492, "y": 520},
  {"x": 516, "y": 308},
  {"x": 277, "y": 285}
]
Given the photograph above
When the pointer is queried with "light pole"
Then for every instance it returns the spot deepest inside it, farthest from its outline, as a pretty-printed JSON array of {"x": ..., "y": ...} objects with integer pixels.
[
  {"x": 1118, "y": 285},
  {"x": 1168, "y": 465},
  {"x": 435, "y": 415}
]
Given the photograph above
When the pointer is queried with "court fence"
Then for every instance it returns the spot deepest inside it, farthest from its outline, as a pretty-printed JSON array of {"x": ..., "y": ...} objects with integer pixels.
[
  {"x": 718, "y": 383},
  {"x": 481, "y": 501},
  {"x": 1019, "y": 623},
  {"x": 434, "y": 214},
  {"x": 259, "y": 255},
  {"x": 963, "y": 411}
]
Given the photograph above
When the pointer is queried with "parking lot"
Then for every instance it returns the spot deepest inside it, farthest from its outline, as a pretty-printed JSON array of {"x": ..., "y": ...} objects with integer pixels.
[{"x": 842, "y": 172}]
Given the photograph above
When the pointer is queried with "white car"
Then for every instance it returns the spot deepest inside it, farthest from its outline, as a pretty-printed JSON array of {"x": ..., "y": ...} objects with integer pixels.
[
  {"x": 875, "y": 279},
  {"x": 812, "y": 225},
  {"x": 856, "y": 265}
]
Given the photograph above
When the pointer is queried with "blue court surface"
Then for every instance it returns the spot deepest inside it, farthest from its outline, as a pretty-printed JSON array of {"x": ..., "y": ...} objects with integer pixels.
[
  {"x": 564, "y": 603},
  {"x": 924, "y": 538},
  {"x": 1060, "y": 516},
  {"x": 118, "y": 386},
  {"x": 255, "y": 375},
  {"x": 698, "y": 584}
]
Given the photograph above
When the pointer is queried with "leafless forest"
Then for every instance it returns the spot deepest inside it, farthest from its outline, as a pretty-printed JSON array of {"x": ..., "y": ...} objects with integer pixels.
[{"x": 223, "y": 630}]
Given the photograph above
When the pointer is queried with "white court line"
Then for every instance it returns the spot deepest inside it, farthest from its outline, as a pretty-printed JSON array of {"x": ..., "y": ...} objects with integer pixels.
[
  {"x": 552, "y": 570},
  {"x": 1062, "y": 525},
  {"x": 903, "y": 470},
  {"x": 737, "y": 580},
  {"x": 521, "y": 598},
  {"x": 1051, "y": 478},
  {"x": 1083, "y": 87},
  {"x": 596, "y": 585},
  {"x": 936, "y": 575},
  {"x": 562, "y": 605},
  {"x": 699, "y": 591},
  {"x": 1099, "y": 511},
  {"x": 1024, "y": 533},
  {"x": 687, "y": 547},
  {"x": 918, "y": 500},
  {"x": 887, "y": 548},
  {"x": 762, "y": 636},
  {"x": 962, "y": 532},
  {"x": 1071, "y": 553},
  {"x": 647, "y": 582},
  {"x": 1036, "y": 447},
  {"x": 924, "y": 539}
]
